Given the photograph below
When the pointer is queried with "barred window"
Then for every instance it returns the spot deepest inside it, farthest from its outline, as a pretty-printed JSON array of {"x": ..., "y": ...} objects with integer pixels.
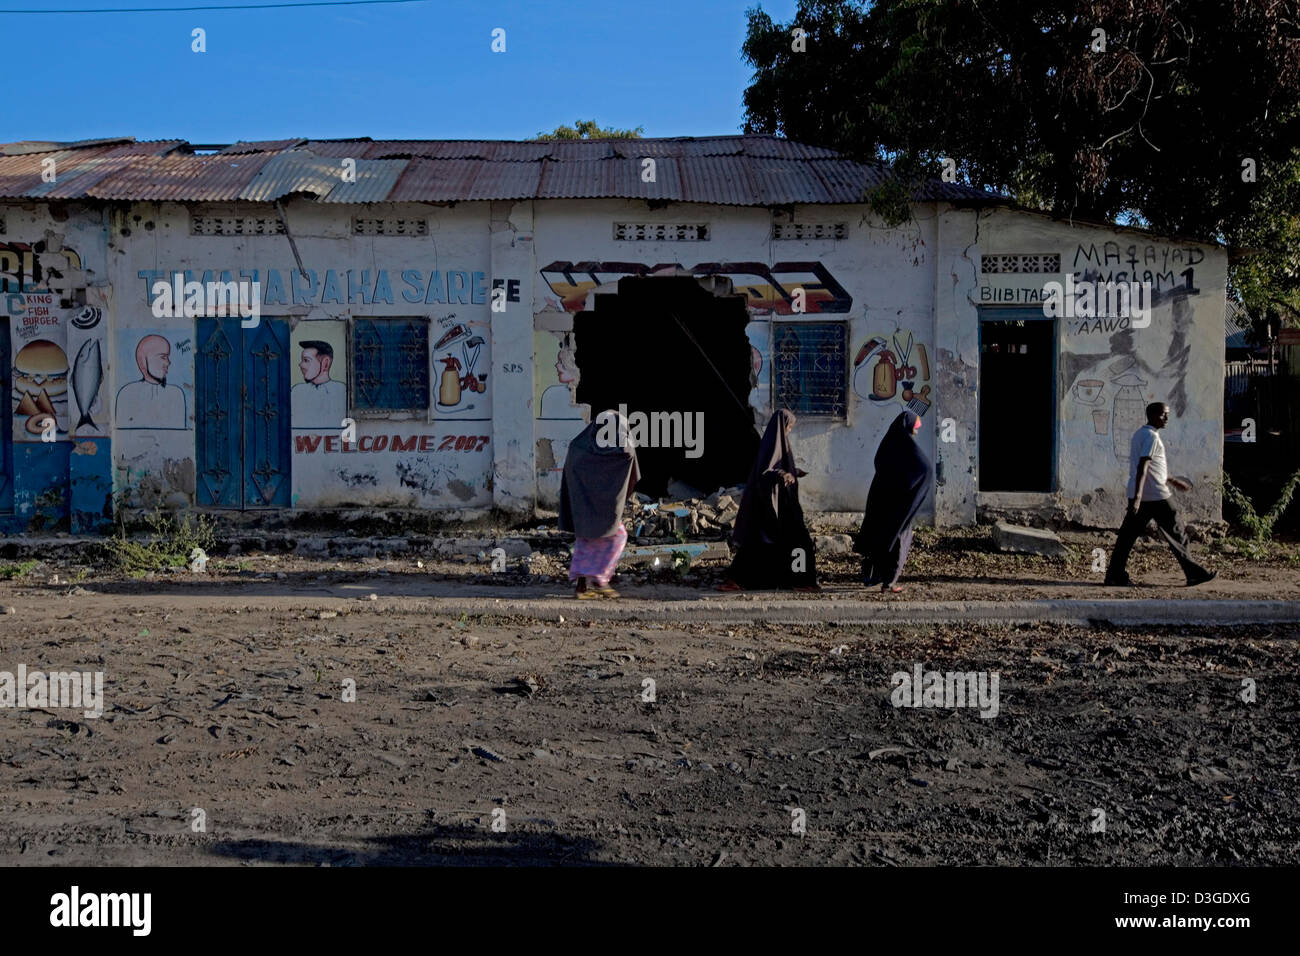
[
  {"x": 661, "y": 231},
  {"x": 810, "y": 230},
  {"x": 365, "y": 226},
  {"x": 810, "y": 368},
  {"x": 390, "y": 365},
  {"x": 1021, "y": 262},
  {"x": 236, "y": 226}
]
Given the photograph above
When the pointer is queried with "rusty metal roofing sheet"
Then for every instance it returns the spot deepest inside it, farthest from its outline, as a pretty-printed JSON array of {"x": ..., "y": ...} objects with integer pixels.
[
  {"x": 23, "y": 175},
  {"x": 718, "y": 179},
  {"x": 39, "y": 146},
  {"x": 507, "y": 180},
  {"x": 436, "y": 180},
  {"x": 294, "y": 172},
  {"x": 780, "y": 181},
  {"x": 340, "y": 148},
  {"x": 374, "y": 181},
  {"x": 156, "y": 147},
  {"x": 76, "y": 183},
  {"x": 261, "y": 146},
  {"x": 182, "y": 178},
  {"x": 727, "y": 170}
]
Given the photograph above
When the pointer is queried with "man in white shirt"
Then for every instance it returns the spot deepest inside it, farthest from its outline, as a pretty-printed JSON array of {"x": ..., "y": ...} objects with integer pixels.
[{"x": 1148, "y": 499}]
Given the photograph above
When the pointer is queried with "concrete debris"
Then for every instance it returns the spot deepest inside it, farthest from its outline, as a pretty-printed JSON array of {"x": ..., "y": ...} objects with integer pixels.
[
  {"x": 833, "y": 543},
  {"x": 1021, "y": 540},
  {"x": 684, "y": 514}
]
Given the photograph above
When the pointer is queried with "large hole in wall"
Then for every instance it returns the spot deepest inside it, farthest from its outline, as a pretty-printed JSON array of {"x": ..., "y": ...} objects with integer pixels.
[{"x": 667, "y": 344}]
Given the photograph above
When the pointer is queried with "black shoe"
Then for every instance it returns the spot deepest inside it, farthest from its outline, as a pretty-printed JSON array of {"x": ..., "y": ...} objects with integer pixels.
[
  {"x": 1202, "y": 579},
  {"x": 1124, "y": 582}
]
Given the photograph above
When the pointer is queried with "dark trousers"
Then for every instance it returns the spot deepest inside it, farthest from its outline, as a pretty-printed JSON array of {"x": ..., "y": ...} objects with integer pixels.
[{"x": 1166, "y": 519}]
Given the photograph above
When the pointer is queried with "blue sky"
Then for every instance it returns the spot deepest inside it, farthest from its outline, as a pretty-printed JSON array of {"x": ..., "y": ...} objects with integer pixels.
[{"x": 406, "y": 71}]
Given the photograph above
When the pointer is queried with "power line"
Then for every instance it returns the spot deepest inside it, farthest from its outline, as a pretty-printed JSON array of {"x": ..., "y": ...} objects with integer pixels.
[{"x": 237, "y": 6}]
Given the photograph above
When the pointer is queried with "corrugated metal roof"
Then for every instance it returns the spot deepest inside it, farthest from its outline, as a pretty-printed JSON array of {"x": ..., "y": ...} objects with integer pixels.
[
  {"x": 505, "y": 180},
  {"x": 743, "y": 170},
  {"x": 718, "y": 179},
  {"x": 375, "y": 180},
  {"x": 294, "y": 172},
  {"x": 262, "y": 146},
  {"x": 183, "y": 178}
]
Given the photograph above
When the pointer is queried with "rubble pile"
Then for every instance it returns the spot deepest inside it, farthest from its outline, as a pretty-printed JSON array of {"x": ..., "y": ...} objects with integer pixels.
[{"x": 694, "y": 515}]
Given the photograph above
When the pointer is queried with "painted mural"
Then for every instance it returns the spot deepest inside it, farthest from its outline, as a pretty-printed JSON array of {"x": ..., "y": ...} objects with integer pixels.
[
  {"x": 40, "y": 373},
  {"x": 318, "y": 397},
  {"x": 769, "y": 289},
  {"x": 893, "y": 369},
  {"x": 555, "y": 382},
  {"x": 158, "y": 369},
  {"x": 1108, "y": 386},
  {"x": 460, "y": 369}
]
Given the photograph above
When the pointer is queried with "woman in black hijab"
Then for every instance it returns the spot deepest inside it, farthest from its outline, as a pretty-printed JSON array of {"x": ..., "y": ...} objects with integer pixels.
[
  {"x": 773, "y": 547},
  {"x": 902, "y": 481}
]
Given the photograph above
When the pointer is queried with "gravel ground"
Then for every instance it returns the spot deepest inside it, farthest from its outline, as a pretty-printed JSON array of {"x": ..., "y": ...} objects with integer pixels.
[{"x": 228, "y": 698}]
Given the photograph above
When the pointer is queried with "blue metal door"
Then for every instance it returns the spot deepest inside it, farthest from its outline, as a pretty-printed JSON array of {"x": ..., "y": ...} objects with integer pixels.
[
  {"x": 6, "y": 425},
  {"x": 242, "y": 432},
  {"x": 266, "y": 414}
]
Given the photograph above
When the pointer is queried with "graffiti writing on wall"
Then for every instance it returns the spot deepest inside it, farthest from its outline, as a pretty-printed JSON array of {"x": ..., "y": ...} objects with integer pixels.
[
  {"x": 893, "y": 369},
  {"x": 333, "y": 444},
  {"x": 769, "y": 289},
  {"x": 1168, "y": 270},
  {"x": 342, "y": 286},
  {"x": 30, "y": 267}
]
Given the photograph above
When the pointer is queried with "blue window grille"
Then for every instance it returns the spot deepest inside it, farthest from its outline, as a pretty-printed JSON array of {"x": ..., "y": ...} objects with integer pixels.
[
  {"x": 390, "y": 365},
  {"x": 810, "y": 368}
]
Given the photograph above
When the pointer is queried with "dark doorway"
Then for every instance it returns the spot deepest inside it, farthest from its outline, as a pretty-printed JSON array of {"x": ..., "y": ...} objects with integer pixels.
[
  {"x": 667, "y": 344},
  {"x": 1017, "y": 432}
]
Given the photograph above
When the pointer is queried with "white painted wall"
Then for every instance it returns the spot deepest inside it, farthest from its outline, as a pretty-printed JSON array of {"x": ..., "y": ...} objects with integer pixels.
[
  {"x": 435, "y": 474},
  {"x": 888, "y": 274}
]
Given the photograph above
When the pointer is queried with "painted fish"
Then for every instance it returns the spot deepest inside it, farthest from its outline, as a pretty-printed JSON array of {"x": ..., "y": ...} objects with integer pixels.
[{"x": 87, "y": 375}]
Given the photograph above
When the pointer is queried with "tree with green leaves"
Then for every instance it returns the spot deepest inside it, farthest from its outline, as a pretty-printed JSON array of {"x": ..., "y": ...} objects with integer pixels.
[
  {"x": 1179, "y": 117},
  {"x": 587, "y": 129}
]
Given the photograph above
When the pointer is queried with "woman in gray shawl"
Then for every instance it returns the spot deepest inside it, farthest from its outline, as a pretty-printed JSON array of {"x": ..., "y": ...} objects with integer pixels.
[{"x": 600, "y": 475}]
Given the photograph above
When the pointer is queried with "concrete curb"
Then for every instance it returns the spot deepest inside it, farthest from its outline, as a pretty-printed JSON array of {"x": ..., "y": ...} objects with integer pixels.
[{"x": 778, "y": 611}]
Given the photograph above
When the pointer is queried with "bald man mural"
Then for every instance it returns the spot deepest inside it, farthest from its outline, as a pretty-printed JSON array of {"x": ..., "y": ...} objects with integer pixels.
[{"x": 151, "y": 402}]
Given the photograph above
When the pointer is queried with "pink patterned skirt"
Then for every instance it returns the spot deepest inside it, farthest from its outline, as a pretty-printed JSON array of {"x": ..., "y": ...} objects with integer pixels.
[{"x": 596, "y": 558}]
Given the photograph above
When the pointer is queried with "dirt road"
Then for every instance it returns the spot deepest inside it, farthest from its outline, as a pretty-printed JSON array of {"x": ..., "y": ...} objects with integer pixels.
[{"x": 232, "y": 704}]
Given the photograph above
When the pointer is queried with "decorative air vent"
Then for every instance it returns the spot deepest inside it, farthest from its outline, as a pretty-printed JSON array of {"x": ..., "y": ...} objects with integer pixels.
[
  {"x": 662, "y": 231},
  {"x": 236, "y": 226},
  {"x": 1038, "y": 262},
  {"x": 389, "y": 227},
  {"x": 810, "y": 230}
]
